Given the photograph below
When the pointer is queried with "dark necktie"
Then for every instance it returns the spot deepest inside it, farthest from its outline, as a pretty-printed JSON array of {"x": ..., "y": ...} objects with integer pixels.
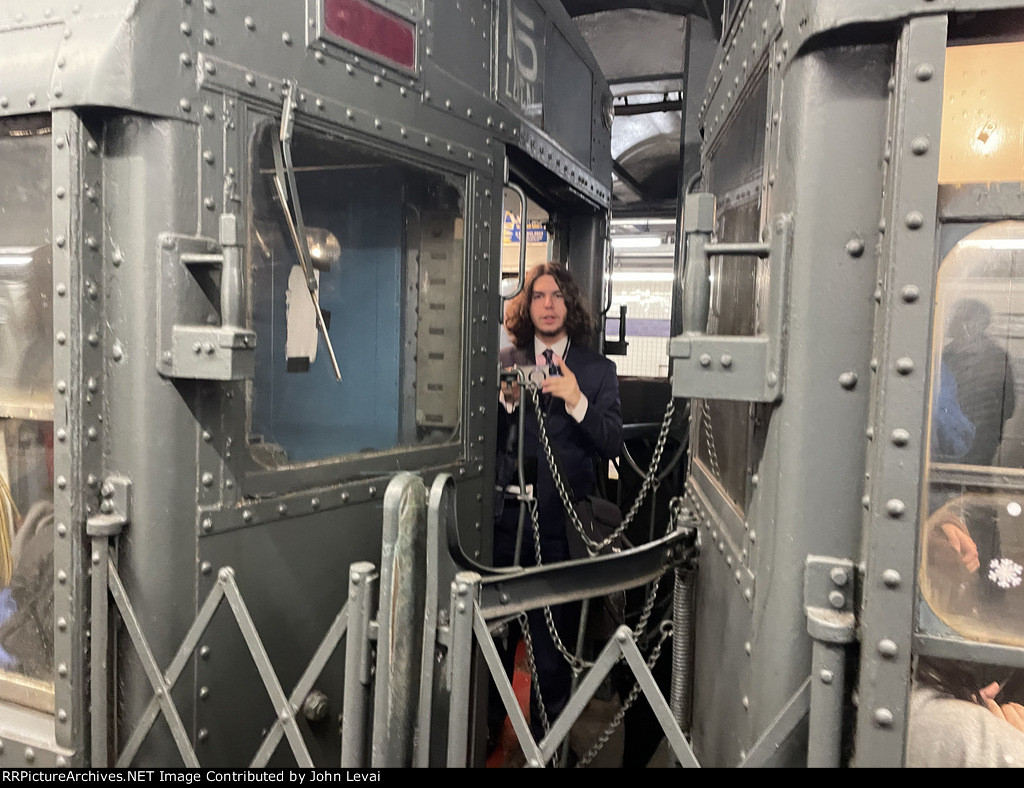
[{"x": 545, "y": 399}]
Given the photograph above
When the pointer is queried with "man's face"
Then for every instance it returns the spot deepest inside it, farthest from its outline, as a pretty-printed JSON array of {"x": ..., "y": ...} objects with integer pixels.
[{"x": 547, "y": 309}]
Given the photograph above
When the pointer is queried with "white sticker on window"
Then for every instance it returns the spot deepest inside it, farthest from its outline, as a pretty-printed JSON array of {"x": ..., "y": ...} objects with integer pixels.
[{"x": 301, "y": 337}]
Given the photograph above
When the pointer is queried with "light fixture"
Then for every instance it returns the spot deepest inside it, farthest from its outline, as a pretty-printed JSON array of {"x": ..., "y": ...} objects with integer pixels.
[
  {"x": 636, "y": 241},
  {"x": 643, "y": 276},
  {"x": 16, "y": 256},
  {"x": 324, "y": 248}
]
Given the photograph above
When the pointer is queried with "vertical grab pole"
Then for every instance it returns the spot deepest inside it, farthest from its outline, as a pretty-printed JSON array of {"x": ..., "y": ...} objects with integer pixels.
[
  {"x": 831, "y": 622},
  {"x": 522, "y": 239},
  {"x": 362, "y": 579},
  {"x": 102, "y": 528},
  {"x": 698, "y": 224},
  {"x": 99, "y": 627},
  {"x": 828, "y": 677},
  {"x": 400, "y": 621},
  {"x": 465, "y": 593}
]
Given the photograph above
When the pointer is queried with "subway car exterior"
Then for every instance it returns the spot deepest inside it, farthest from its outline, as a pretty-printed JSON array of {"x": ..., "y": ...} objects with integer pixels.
[
  {"x": 251, "y": 261},
  {"x": 251, "y": 268},
  {"x": 850, "y": 347}
]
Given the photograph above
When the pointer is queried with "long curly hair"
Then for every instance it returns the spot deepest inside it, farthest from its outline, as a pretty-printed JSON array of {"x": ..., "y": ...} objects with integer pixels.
[{"x": 579, "y": 323}]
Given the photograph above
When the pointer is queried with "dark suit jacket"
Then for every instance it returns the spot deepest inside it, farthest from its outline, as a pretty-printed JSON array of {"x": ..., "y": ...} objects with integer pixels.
[{"x": 576, "y": 445}]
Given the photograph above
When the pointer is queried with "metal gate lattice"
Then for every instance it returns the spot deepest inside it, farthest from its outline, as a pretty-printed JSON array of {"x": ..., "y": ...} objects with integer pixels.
[
  {"x": 620, "y": 646},
  {"x": 163, "y": 683}
]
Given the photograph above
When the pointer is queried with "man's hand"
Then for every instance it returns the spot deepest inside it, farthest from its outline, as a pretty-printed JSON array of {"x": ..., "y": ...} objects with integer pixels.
[
  {"x": 1012, "y": 713},
  {"x": 510, "y": 390},
  {"x": 563, "y": 386},
  {"x": 963, "y": 545}
]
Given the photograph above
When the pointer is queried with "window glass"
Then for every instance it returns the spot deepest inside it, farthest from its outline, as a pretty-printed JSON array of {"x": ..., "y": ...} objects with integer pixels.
[
  {"x": 26, "y": 413},
  {"x": 738, "y": 286},
  {"x": 973, "y": 532},
  {"x": 387, "y": 242},
  {"x": 642, "y": 282}
]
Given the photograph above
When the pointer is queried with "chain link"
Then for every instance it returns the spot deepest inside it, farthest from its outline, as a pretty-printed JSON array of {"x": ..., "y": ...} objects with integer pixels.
[
  {"x": 709, "y": 436},
  {"x": 534, "y": 678},
  {"x": 576, "y": 663},
  {"x": 634, "y": 693},
  {"x": 563, "y": 491}
]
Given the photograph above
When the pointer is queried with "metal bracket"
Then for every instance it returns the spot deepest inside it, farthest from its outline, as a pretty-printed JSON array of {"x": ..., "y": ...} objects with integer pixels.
[
  {"x": 115, "y": 508},
  {"x": 193, "y": 350},
  {"x": 744, "y": 368},
  {"x": 829, "y": 591}
]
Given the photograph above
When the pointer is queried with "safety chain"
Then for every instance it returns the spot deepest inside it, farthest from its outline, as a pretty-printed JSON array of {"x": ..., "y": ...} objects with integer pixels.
[
  {"x": 620, "y": 715},
  {"x": 563, "y": 491},
  {"x": 709, "y": 436},
  {"x": 532, "y": 664},
  {"x": 576, "y": 663}
]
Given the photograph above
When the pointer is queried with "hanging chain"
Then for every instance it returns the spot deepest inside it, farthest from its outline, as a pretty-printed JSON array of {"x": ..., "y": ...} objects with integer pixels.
[
  {"x": 534, "y": 678},
  {"x": 576, "y": 663},
  {"x": 563, "y": 491},
  {"x": 634, "y": 693},
  {"x": 709, "y": 435}
]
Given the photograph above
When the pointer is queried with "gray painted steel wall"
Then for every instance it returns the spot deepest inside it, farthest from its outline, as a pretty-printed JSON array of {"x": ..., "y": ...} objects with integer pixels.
[{"x": 151, "y": 108}]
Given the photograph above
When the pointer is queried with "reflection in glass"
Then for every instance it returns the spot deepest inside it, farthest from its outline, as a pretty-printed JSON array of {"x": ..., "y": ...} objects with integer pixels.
[
  {"x": 738, "y": 287},
  {"x": 973, "y": 531},
  {"x": 26, "y": 414},
  {"x": 387, "y": 241}
]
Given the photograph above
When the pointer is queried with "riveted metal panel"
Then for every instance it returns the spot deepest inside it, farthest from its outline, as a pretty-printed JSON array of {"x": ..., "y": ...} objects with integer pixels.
[
  {"x": 78, "y": 412},
  {"x": 190, "y": 77},
  {"x": 90, "y": 48},
  {"x": 737, "y": 62},
  {"x": 566, "y": 133},
  {"x": 459, "y": 41},
  {"x": 722, "y": 678},
  {"x": 150, "y": 424},
  {"x": 155, "y": 58},
  {"x": 902, "y": 345},
  {"x": 827, "y": 142},
  {"x": 293, "y": 596},
  {"x": 824, "y": 130},
  {"x": 807, "y": 19}
]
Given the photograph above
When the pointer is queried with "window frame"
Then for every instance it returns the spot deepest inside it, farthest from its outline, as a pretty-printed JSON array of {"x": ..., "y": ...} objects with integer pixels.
[
  {"x": 259, "y": 480},
  {"x": 962, "y": 210}
]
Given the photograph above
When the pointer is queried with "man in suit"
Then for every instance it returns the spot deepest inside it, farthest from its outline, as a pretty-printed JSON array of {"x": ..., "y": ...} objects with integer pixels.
[{"x": 549, "y": 323}]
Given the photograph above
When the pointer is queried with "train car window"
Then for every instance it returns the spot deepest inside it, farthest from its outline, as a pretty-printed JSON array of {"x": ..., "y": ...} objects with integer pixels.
[
  {"x": 26, "y": 414},
  {"x": 539, "y": 243},
  {"x": 984, "y": 114},
  {"x": 387, "y": 240},
  {"x": 738, "y": 284},
  {"x": 972, "y": 557}
]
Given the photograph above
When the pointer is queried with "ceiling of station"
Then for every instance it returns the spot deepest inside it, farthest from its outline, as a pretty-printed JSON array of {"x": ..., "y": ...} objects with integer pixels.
[{"x": 641, "y": 48}]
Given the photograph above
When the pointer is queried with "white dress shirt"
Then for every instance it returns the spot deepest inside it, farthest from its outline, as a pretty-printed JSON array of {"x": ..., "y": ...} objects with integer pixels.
[{"x": 559, "y": 349}]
